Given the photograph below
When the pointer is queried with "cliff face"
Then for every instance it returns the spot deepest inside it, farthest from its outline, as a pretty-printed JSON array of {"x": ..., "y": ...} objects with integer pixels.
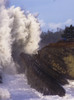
[
  {"x": 60, "y": 56},
  {"x": 50, "y": 68}
]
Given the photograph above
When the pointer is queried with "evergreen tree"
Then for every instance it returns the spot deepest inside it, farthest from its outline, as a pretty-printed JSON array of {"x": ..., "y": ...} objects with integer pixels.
[{"x": 68, "y": 33}]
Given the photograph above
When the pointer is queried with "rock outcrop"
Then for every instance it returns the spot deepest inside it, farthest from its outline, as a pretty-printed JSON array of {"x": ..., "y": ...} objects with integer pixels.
[
  {"x": 1, "y": 78},
  {"x": 60, "y": 56},
  {"x": 48, "y": 70}
]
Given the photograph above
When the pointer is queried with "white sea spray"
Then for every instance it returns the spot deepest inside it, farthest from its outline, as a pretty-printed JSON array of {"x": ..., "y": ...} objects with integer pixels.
[{"x": 19, "y": 32}]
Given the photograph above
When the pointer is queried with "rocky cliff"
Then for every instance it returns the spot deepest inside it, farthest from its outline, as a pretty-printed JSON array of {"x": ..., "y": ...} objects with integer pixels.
[{"x": 48, "y": 70}]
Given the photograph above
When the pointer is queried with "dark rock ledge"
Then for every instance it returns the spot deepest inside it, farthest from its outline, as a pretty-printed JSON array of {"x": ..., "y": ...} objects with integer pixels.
[{"x": 50, "y": 68}]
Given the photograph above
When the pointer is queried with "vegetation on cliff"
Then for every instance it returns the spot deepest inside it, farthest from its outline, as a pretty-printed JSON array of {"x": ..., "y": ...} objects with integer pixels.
[
  {"x": 66, "y": 34},
  {"x": 69, "y": 33}
]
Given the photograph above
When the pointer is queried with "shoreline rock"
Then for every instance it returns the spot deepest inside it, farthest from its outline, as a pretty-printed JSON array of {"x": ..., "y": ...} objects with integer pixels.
[{"x": 48, "y": 70}]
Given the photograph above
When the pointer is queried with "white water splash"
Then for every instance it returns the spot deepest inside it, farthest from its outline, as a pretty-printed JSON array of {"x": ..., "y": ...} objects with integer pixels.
[{"x": 19, "y": 32}]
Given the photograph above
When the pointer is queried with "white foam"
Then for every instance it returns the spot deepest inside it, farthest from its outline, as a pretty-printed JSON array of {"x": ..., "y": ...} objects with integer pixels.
[
  {"x": 15, "y": 87},
  {"x": 4, "y": 94}
]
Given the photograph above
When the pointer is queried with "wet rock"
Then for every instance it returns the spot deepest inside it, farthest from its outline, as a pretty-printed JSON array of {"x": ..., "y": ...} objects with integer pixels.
[
  {"x": 1, "y": 79},
  {"x": 40, "y": 79},
  {"x": 50, "y": 68}
]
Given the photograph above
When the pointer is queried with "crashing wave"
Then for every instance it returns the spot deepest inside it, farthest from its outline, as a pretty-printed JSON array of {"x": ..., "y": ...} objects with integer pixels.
[{"x": 19, "y": 32}]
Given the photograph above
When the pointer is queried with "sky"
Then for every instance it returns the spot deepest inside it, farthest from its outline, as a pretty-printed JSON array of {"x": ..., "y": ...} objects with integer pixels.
[{"x": 52, "y": 14}]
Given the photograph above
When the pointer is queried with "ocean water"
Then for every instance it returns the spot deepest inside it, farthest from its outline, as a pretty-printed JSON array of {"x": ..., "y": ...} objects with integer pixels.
[{"x": 15, "y": 87}]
